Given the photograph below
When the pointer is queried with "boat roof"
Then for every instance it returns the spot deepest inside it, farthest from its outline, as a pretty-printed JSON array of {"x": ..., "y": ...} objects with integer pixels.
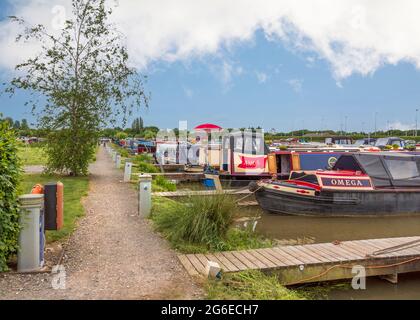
[{"x": 384, "y": 168}]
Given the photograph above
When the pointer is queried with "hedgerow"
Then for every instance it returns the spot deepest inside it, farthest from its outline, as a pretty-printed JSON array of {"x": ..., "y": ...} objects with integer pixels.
[{"x": 9, "y": 207}]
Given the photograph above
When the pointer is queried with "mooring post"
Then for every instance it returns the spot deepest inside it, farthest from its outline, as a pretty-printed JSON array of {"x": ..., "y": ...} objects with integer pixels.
[
  {"x": 118, "y": 161},
  {"x": 127, "y": 171},
  {"x": 145, "y": 195},
  {"x": 31, "y": 236}
]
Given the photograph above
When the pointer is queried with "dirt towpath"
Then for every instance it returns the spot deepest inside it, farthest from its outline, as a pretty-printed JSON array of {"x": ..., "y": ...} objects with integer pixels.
[{"x": 113, "y": 254}]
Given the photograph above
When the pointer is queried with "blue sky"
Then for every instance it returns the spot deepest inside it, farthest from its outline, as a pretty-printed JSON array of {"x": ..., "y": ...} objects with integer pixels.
[{"x": 264, "y": 82}]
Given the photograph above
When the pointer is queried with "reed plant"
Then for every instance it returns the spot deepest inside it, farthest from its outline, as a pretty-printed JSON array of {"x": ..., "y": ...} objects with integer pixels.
[{"x": 197, "y": 220}]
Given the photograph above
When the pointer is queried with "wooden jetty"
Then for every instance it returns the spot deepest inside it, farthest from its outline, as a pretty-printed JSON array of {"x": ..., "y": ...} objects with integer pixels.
[
  {"x": 171, "y": 166},
  {"x": 180, "y": 176},
  {"x": 187, "y": 193},
  {"x": 318, "y": 262}
]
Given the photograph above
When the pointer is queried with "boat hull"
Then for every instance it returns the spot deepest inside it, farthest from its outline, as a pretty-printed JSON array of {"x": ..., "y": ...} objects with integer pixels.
[{"x": 337, "y": 203}]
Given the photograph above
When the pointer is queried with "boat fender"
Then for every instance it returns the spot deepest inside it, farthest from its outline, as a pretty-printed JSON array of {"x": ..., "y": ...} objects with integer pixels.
[{"x": 253, "y": 186}]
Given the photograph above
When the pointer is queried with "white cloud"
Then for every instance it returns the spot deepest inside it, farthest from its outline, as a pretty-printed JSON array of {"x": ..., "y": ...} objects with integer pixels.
[
  {"x": 397, "y": 125},
  {"x": 261, "y": 77},
  {"x": 296, "y": 84},
  {"x": 354, "y": 36},
  {"x": 189, "y": 93}
]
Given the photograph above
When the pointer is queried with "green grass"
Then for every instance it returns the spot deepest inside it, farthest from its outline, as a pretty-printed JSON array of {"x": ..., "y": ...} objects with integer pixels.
[
  {"x": 32, "y": 155},
  {"x": 203, "y": 224},
  {"x": 250, "y": 285},
  {"x": 74, "y": 189}
]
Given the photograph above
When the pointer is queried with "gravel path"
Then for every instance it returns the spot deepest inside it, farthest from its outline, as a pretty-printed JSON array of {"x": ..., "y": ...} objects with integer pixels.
[{"x": 113, "y": 254}]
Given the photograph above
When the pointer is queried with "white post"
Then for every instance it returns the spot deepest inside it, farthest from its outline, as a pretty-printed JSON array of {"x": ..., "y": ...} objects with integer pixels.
[
  {"x": 117, "y": 161},
  {"x": 127, "y": 171},
  {"x": 31, "y": 236},
  {"x": 145, "y": 195},
  {"x": 114, "y": 155}
]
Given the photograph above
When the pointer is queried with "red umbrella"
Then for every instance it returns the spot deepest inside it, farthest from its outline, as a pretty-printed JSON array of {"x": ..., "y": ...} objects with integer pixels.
[{"x": 207, "y": 127}]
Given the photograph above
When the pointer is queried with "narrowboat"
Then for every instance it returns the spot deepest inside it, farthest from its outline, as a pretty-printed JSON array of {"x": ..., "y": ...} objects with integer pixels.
[{"x": 359, "y": 184}]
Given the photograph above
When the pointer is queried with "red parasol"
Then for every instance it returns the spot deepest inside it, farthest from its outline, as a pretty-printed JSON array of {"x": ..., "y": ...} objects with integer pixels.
[{"x": 207, "y": 127}]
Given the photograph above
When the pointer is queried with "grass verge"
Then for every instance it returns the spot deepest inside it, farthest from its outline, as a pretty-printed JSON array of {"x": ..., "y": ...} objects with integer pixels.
[
  {"x": 32, "y": 156},
  {"x": 74, "y": 189},
  {"x": 250, "y": 285}
]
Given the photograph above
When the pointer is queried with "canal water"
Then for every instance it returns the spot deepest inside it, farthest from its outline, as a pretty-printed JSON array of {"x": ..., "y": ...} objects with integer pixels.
[{"x": 300, "y": 230}]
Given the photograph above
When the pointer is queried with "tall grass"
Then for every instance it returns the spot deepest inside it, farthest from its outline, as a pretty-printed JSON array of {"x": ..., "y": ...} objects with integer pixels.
[
  {"x": 199, "y": 220},
  {"x": 250, "y": 285}
]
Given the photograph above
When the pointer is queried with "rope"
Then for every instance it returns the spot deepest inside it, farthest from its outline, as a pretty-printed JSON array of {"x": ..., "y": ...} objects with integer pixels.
[
  {"x": 347, "y": 266},
  {"x": 250, "y": 194},
  {"x": 396, "y": 248}
]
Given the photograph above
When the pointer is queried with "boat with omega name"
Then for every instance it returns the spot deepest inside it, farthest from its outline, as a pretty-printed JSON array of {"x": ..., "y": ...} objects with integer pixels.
[{"x": 359, "y": 184}]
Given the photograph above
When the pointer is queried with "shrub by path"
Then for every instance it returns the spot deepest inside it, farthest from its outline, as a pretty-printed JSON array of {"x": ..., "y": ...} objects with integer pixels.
[{"x": 113, "y": 254}]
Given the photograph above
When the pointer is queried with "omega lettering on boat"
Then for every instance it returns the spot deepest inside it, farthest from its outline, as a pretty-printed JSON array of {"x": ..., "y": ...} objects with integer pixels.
[{"x": 346, "y": 182}]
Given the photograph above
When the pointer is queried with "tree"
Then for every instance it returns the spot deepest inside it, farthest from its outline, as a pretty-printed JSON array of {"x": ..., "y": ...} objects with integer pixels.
[
  {"x": 16, "y": 125},
  {"x": 137, "y": 125},
  {"x": 9, "y": 121},
  {"x": 24, "y": 125},
  {"x": 121, "y": 135},
  {"x": 149, "y": 135},
  {"x": 84, "y": 75}
]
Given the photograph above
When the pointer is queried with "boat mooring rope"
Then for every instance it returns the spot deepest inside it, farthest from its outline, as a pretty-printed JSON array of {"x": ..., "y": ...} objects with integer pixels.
[
  {"x": 396, "y": 248},
  {"x": 250, "y": 194},
  {"x": 348, "y": 266}
]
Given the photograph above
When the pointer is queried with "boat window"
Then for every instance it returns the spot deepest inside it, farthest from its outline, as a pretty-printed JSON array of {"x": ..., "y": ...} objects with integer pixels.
[
  {"x": 239, "y": 141},
  {"x": 347, "y": 163},
  {"x": 401, "y": 169},
  {"x": 397, "y": 142},
  {"x": 381, "y": 142}
]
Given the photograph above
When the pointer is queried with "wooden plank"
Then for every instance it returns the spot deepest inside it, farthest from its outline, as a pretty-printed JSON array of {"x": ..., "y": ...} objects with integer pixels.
[
  {"x": 230, "y": 267},
  {"x": 235, "y": 261},
  {"x": 263, "y": 259},
  {"x": 253, "y": 259},
  {"x": 301, "y": 254},
  {"x": 196, "y": 263},
  {"x": 282, "y": 256},
  {"x": 271, "y": 257},
  {"x": 202, "y": 259},
  {"x": 349, "y": 255},
  {"x": 291, "y": 258},
  {"x": 362, "y": 248},
  {"x": 325, "y": 253},
  {"x": 245, "y": 260},
  {"x": 198, "y": 193},
  {"x": 335, "y": 253},
  {"x": 355, "y": 250},
  {"x": 403, "y": 251},
  {"x": 318, "y": 258},
  {"x": 378, "y": 247},
  {"x": 188, "y": 265}
]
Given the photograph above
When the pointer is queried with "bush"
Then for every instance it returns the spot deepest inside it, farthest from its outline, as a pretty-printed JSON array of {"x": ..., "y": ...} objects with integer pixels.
[
  {"x": 9, "y": 206},
  {"x": 144, "y": 167},
  {"x": 162, "y": 184},
  {"x": 198, "y": 220},
  {"x": 144, "y": 157}
]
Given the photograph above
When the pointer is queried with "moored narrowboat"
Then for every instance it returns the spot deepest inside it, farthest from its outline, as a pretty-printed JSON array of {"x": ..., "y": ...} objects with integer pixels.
[{"x": 359, "y": 184}]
